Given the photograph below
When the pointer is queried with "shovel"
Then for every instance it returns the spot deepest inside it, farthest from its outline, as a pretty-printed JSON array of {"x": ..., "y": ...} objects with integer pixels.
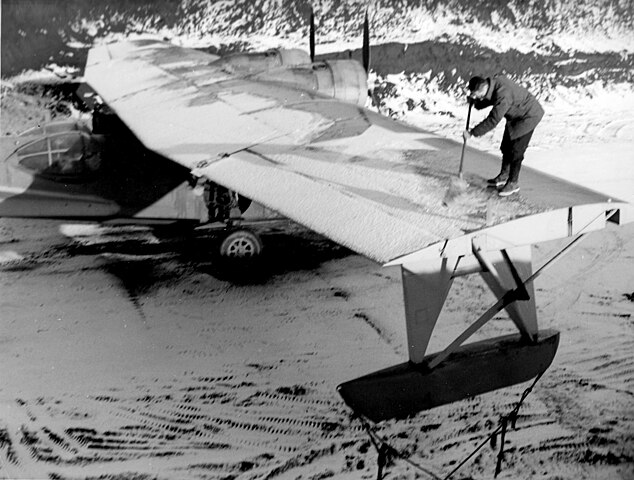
[
  {"x": 459, "y": 185},
  {"x": 464, "y": 145}
]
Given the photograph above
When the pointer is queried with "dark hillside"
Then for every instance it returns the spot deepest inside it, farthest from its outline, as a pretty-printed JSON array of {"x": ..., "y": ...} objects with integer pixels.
[{"x": 40, "y": 32}]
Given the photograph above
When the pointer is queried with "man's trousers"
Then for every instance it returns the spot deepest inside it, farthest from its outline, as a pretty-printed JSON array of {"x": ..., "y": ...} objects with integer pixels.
[{"x": 513, "y": 153}]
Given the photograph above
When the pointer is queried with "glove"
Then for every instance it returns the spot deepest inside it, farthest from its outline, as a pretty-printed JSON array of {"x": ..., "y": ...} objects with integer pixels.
[{"x": 466, "y": 135}]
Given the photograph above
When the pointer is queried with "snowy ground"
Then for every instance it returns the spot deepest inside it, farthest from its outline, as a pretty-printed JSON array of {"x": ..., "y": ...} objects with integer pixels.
[{"x": 124, "y": 355}]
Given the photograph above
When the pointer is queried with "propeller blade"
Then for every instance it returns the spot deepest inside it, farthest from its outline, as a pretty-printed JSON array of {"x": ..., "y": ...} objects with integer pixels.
[
  {"x": 312, "y": 35},
  {"x": 366, "y": 44}
]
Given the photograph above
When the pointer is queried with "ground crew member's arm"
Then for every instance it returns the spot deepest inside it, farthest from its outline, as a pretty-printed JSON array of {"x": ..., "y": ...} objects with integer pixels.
[{"x": 500, "y": 107}]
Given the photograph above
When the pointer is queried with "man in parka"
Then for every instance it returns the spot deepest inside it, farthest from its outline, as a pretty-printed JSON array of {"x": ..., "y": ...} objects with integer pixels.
[{"x": 522, "y": 112}]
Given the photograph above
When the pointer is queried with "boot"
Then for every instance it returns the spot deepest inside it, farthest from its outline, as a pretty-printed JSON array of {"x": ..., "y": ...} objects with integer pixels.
[
  {"x": 502, "y": 177},
  {"x": 498, "y": 181},
  {"x": 509, "y": 189}
]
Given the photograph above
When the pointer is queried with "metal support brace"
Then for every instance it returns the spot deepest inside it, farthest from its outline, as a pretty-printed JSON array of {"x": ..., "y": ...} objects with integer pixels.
[
  {"x": 427, "y": 284},
  {"x": 425, "y": 288},
  {"x": 506, "y": 270},
  {"x": 508, "y": 298}
]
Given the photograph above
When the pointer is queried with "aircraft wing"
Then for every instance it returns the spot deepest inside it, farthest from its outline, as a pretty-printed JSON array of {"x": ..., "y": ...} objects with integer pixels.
[{"x": 370, "y": 183}]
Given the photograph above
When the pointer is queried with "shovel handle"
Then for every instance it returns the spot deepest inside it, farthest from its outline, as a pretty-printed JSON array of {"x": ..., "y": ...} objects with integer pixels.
[
  {"x": 469, "y": 113},
  {"x": 464, "y": 142}
]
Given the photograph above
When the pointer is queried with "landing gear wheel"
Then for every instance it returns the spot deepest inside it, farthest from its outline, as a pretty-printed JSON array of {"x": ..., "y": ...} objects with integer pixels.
[{"x": 241, "y": 245}]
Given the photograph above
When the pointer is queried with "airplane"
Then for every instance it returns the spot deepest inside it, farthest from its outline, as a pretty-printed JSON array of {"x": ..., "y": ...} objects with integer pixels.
[{"x": 184, "y": 135}]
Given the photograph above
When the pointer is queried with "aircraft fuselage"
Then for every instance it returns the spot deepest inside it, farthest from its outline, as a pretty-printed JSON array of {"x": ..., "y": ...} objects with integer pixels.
[{"x": 64, "y": 170}]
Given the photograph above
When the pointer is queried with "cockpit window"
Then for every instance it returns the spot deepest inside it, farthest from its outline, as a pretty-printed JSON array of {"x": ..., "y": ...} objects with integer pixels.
[
  {"x": 53, "y": 128},
  {"x": 33, "y": 147},
  {"x": 64, "y": 156}
]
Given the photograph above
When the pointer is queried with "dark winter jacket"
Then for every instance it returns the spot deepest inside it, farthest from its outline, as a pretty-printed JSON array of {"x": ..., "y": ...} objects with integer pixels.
[{"x": 511, "y": 101}]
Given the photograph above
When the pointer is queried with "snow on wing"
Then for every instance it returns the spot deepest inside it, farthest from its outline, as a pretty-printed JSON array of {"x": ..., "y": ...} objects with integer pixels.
[{"x": 365, "y": 181}]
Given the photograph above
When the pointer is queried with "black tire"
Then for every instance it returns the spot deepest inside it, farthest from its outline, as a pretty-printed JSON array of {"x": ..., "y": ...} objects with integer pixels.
[{"x": 241, "y": 245}]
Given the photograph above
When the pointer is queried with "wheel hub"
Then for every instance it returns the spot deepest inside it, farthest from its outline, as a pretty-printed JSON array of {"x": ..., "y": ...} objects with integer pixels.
[{"x": 241, "y": 247}]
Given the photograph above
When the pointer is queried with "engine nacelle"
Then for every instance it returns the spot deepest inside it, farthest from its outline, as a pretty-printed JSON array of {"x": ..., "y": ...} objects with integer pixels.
[
  {"x": 344, "y": 80},
  {"x": 248, "y": 63}
]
